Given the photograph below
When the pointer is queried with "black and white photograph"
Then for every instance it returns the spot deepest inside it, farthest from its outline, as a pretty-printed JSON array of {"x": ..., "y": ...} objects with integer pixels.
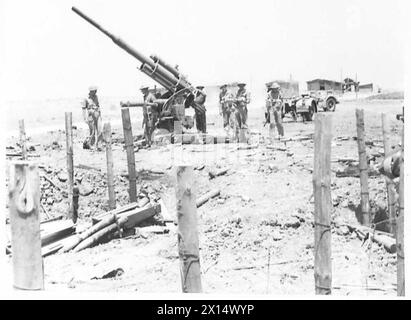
[{"x": 191, "y": 148}]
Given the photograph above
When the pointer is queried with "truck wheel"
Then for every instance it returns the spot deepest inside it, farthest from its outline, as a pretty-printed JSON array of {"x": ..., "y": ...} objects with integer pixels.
[
  {"x": 309, "y": 114},
  {"x": 331, "y": 103}
]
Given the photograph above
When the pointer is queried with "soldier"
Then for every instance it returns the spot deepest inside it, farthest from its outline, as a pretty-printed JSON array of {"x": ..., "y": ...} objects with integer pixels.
[
  {"x": 150, "y": 114},
  {"x": 224, "y": 107},
  {"x": 200, "y": 98},
  {"x": 92, "y": 116},
  {"x": 274, "y": 104},
  {"x": 243, "y": 99}
]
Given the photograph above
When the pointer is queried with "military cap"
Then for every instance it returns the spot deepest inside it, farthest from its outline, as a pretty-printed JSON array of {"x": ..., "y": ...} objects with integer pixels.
[
  {"x": 200, "y": 87},
  {"x": 143, "y": 88},
  {"x": 241, "y": 85},
  {"x": 92, "y": 88},
  {"x": 223, "y": 86}
]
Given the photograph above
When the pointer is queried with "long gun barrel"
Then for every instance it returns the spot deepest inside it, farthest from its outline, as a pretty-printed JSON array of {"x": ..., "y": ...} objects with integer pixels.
[{"x": 155, "y": 68}]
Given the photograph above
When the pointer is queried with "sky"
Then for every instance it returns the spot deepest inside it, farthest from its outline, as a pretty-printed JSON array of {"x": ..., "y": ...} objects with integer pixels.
[{"x": 48, "y": 52}]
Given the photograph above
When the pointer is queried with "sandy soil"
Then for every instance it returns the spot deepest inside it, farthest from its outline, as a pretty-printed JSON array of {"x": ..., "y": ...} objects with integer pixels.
[{"x": 257, "y": 237}]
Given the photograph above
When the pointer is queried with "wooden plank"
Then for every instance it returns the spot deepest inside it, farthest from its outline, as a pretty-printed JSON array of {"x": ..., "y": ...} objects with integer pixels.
[
  {"x": 165, "y": 213},
  {"x": 24, "y": 204},
  {"x": 116, "y": 211},
  {"x": 70, "y": 171},
  {"x": 215, "y": 173},
  {"x": 390, "y": 184},
  {"x": 188, "y": 244},
  {"x": 74, "y": 241},
  {"x": 363, "y": 167},
  {"x": 131, "y": 161},
  {"x": 134, "y": 217},
  {"x": 400, "y": 230},
  {"x": 207, "y": 196},
  {"x": 110, "y": 167},
  {"x": 54, "y": 231},
  {"x": 322, "y": 204},
  {"x": 94, "y": 238},
  {"x": 23, "y": 140}
]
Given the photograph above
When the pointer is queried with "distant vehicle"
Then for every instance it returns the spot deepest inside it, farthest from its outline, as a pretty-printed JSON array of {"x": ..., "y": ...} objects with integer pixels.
[
  {"x": 309, "y": 103},
  {"x": 305, "y": 104},
  {"x": 327, "y": 100}
]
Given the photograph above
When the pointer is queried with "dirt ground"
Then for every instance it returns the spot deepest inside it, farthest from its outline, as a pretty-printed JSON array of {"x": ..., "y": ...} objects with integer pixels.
[{"x": 256, "y": 237}]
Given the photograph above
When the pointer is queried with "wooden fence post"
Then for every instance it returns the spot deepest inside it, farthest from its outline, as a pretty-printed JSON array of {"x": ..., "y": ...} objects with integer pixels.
[
  {"x": 110, "y": 174},
  {"x": 390, "y": 184},
  {"x": 187, "y": 230},
  {"x": 322, "y": 206},
  {"x": 363, "y": 167},
  {"x": 70, "y": 166},
  {"x": 24, "y": 202},
  {"x": 131, "y": 161},
  {"x": 23, "y": 139},
  {"x": 400, "y": 230}
]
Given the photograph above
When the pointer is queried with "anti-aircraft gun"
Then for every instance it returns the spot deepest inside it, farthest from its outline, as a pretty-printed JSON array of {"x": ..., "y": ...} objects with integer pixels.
[{"x": 180, "y": 93}]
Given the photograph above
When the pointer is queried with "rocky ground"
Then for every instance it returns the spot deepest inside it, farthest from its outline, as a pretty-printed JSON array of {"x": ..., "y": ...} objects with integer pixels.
[{"x": 256, "y": 237}]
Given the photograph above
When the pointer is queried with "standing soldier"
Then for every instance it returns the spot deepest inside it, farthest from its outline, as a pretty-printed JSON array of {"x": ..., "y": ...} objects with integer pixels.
[
  {"x": 224, "y": 108},
  {"x": 243, "y": 99},
  {"x": 273, "y": 113},
  {"x": 150, "y": 114},
  {"x": 200, "y": 98},
  {"x": 92, "y": 116}
]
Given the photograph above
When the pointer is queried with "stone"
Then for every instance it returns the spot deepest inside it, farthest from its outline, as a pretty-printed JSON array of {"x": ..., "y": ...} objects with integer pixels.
[
  {"x": 273, "y": 168},
  {"x": 293, "y": 222},
  {"x": 62, "y": 176},
  {"x": 343, "y": 230},
  {"x": 86, "y": 189},
  {"x": 277, "y": 236},
  {"x": 246, "y": 198}
]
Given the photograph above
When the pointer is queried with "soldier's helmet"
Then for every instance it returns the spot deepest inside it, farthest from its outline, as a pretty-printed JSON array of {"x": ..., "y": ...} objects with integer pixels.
[
  {"x": 200, "y": 87},
  {"x": 223, "y": 86},
  {"x": 241, "y": 85},
  {"x": 142, "y": 88},
  {"x": 92, "y": 89},
  {"x": 275, "y": 86}
]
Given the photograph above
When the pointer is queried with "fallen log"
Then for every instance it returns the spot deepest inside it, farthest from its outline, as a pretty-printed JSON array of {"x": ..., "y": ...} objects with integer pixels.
[
  {"x": 296, "y": 138},
  {"x": 382, "y": 239},
  {"x": 247, "y": 147},
  {"x": 86, "y": 167},
  {"x": 204, "y": 198},
  {"x": 217, "y": 173},
  {"x": 52, "y": 219},
  {"x": 276, "y": 148},
  {"x": 119, "y": 210},
  {"x": 345, "y": 160},
  {"x": 354, "y": 172},
  {"x": 54, "y": 231},
  {"x": 51, "y": 182},
  {"x": 135, "y": 216},
  {"x": 94, "y": 238},
  {"x": 143, "y": 202},
  {"x": 165, "y": 213},
  {"x": 87, "y": 233},
  {"x": 12, "y": 154},
  {"x": 56, "y": 246}
]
